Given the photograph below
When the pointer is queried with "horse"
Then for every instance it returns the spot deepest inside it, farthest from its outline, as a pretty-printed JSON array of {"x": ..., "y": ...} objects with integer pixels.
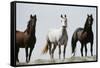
[
  {"x": 84, "y": 36},
  {"x": 57, "y": 37},
  {"x": 26, "y": 39}
]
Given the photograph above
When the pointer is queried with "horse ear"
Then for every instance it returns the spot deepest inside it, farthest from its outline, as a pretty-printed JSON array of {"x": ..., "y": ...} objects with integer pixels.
[
  {"x": 31, "y": 16},
  {"x": 88, "y": 15},
  {"x": 61, "y": 16},
  {"x": 91, "y": 15},
  {"x": 65, "y": 15},
  {"x": 35, "y": 15}
]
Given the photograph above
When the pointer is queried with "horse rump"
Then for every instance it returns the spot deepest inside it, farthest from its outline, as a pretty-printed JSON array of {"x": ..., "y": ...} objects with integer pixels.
[{"x": 75, "y": 39}]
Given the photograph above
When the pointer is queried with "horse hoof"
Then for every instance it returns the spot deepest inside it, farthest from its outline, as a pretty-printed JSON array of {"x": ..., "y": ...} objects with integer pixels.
[
  {"x": 17, "y": 61},
  {"x": 27, "y": 61},
  {"x": 73, "y": 54},
  {"x": 63, "y": 59}
]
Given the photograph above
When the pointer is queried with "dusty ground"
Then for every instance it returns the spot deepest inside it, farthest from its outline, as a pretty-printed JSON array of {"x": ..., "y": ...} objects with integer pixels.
[{"x": 72, "y": 59}]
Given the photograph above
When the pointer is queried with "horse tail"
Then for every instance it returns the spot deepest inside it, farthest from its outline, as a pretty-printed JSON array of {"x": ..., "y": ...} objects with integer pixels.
[
  {"x": 73, "y": 42},
  {"x": 45, "y": 50},
  {"x": 75, "y": 39}
]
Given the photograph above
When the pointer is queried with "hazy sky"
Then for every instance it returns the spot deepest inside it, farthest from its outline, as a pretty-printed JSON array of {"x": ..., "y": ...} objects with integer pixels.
[{"x": 48, "y": 17}]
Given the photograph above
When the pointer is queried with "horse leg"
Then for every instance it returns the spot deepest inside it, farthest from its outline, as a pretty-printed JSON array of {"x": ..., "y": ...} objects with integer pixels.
[
  {"x": 31, "y": 49},
  {"x": 91, "y": 48},
  {"x": 64, "y": 51},
  {"x": 26, "y": 49},
  {"x": 59, "y": 51},
  {"x": 81, "y": 49},
  {"x": 53, "y": 50},
  {"x": 85, "y": 50},
  {"x": 49, "y": 46},
  {"x": 17, "y": 51}
]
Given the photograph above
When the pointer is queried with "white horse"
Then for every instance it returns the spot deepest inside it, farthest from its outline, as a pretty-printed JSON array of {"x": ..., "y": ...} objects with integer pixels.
[{"x": 57, "y": 37}]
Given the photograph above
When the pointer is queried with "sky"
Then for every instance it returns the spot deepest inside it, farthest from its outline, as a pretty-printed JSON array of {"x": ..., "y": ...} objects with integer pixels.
[{"x": 48, "y": 17}]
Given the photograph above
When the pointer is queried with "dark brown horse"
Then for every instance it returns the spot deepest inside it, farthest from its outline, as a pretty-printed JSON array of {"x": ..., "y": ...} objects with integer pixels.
[
  {"x": 84, "y": 35},
  {"x": 26, "y": 39}
]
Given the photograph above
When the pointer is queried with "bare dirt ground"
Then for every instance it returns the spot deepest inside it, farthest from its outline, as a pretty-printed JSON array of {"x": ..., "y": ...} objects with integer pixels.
[{"x": 72, "y": 59}]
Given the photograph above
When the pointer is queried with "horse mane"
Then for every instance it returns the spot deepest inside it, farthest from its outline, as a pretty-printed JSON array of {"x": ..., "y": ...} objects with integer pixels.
[
  {"x": 28, "y": 28},
  {"x": 86, "y": 26},
  {"x": 86, "y": 23}
]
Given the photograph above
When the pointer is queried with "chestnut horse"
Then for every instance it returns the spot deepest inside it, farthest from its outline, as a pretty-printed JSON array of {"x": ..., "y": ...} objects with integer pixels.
[
  {"x": 26, "y": 39},
  {"x": 84, "y": 35}
]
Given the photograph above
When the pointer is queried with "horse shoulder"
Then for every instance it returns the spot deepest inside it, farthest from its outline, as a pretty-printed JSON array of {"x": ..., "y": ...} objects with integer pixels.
[
  {"x": 19, "y": 35},
  {"x": 54, "y": 34}
]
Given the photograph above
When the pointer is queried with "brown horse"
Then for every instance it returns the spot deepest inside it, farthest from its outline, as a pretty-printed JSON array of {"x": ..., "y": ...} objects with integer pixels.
[
  {"x": 84, "y": 35},
  {"x": 26, "y": 39}
]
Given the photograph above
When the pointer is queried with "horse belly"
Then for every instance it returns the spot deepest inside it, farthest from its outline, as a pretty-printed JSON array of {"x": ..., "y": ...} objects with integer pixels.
[
  {"x": 54, "y": 36},
  {"x": 83, "y": 37},
  {"x": 20, "y": 45}
]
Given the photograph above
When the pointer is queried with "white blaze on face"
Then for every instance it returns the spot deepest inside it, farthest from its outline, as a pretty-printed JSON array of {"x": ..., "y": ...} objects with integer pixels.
[{"x": 89, "y": 20}]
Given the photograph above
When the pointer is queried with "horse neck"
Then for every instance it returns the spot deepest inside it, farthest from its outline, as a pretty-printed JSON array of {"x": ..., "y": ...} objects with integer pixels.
[
  {"x": 63, "y": 30},
  {"x": 87, "y": 29},
  {"x": 30, "y": 32}
]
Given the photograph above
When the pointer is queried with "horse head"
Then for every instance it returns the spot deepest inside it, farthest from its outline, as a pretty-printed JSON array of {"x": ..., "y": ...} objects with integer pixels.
[
  {"x": 89, "y": 21},
  {"x": 31, "y": 24},
  {"x": 32, "y": 21},
  {"x": 64, "y": 20}
]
